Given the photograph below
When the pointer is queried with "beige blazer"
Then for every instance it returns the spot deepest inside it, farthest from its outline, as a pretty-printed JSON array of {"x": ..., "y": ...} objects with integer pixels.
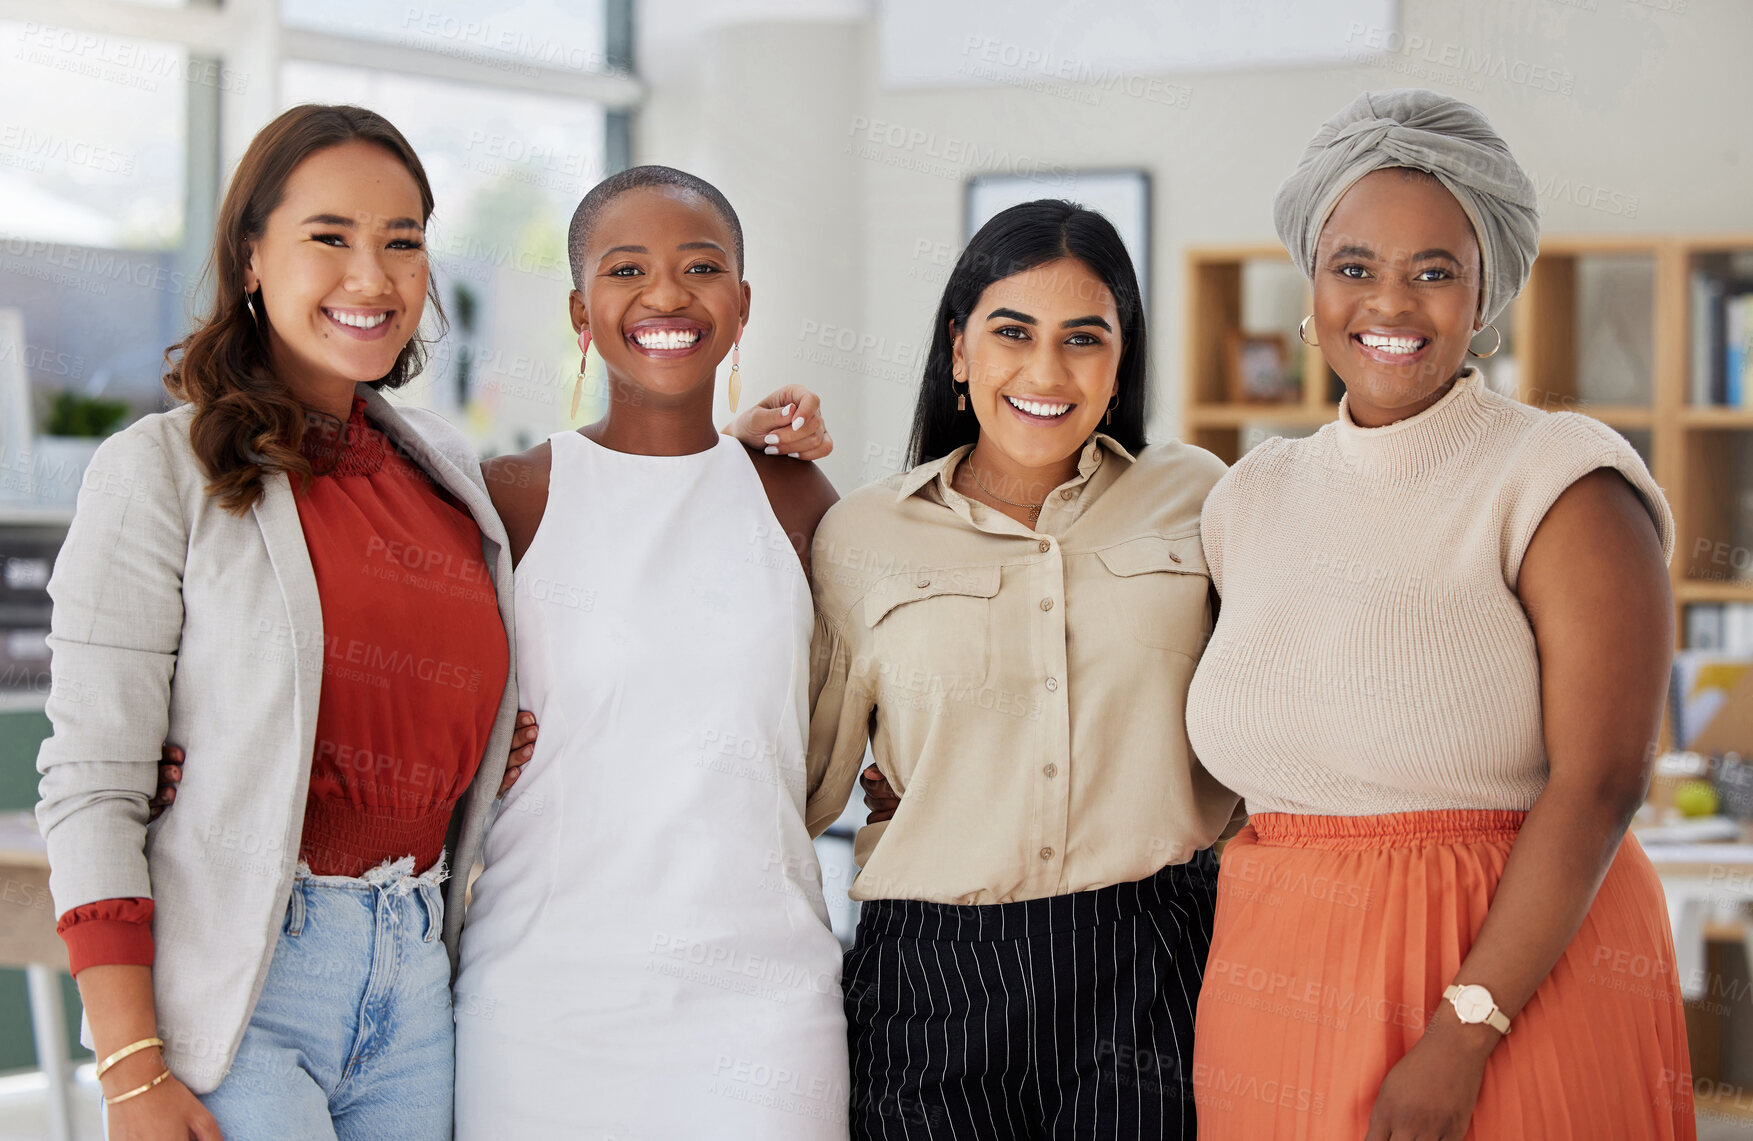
[{"x": 177, "y": 620}]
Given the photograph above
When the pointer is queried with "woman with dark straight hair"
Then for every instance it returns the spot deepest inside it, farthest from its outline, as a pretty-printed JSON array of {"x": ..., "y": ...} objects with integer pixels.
[
  {"x": 1034, "y": 233},
  {"x": 1011, "y": 626}
]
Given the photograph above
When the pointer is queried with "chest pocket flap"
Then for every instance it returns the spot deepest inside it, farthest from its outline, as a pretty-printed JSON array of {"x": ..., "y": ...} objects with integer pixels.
[
  {"x": 1147, "y": 553},
  {"x": 914, "y": 586}
]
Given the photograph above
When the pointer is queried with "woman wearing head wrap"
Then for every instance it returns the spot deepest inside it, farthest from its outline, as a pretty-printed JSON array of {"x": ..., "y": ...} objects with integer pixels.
[{"x": 1437, "y": 680}]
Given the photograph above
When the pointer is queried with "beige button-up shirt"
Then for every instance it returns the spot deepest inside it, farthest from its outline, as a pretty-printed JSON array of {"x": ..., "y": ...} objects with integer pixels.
[{"x": 1024, "y": 690}]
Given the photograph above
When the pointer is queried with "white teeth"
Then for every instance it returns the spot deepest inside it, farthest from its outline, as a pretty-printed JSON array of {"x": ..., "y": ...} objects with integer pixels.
[
  {"x": 666, "y": 338},
  {"x": 1400, "y": 345},
  {"x": 1038, "y": 408},
  {"x": 358, "y": 320}
]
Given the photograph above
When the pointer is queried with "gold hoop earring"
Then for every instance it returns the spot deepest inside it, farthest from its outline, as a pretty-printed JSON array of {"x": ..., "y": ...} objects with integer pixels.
[
  {"x": 1112, "y": 404},
  {"x": 1495, "y": 346},
  {"x": 1302, "y": 332}
]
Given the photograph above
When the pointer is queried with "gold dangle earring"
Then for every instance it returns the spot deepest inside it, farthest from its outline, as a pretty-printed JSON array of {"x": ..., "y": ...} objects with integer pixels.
[
  {"x": 583, "y": 360},
  {"x": 734, "y": 385},
  {"x": 1109, "y": 418}
]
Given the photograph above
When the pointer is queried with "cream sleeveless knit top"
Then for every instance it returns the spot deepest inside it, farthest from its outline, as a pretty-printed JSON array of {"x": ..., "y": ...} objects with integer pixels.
[{"x": 1371, "y": 655}]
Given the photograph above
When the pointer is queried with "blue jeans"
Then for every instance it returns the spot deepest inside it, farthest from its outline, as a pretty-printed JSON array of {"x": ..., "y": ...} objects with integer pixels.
[{"x": 352, "y": 1037}]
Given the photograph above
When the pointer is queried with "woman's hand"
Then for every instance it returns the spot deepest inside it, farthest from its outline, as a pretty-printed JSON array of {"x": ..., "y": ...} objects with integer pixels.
[
  {"x": 166, "y": 1112},
  {"x": 170, "y": 774},
  {"x": 523, "y": 747},
  {"x": 787, "y": 423},
  {"x": 878, "y": 796},
  {"x": 1430, "y": 1093}
]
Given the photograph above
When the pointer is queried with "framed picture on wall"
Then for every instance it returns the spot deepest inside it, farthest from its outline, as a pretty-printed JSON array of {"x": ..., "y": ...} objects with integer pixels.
[
  {"x": 1121, "y": 196},
  {"x": 1258, "y": 367}
]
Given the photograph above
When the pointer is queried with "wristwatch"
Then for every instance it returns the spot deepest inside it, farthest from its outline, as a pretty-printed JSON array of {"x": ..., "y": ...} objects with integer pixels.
[{"x": 1473, "y": 1004}]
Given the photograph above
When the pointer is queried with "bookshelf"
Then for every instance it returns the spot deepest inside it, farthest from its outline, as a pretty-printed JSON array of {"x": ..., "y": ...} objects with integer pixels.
[{"x": 1596, "y": 306}]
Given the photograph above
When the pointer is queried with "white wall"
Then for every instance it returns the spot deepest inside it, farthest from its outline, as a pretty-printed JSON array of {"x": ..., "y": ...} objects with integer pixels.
[{"x": 1647, "y": 132}]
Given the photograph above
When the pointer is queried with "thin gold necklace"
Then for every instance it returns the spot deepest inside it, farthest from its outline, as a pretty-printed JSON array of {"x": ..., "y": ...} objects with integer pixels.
[{"x": 1034, "y": 509}]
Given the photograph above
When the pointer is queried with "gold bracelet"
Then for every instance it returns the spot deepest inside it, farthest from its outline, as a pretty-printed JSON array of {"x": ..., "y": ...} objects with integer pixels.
[
  {"x": 120, "y": 1098},
  {"x": 127, "y": 1051}
]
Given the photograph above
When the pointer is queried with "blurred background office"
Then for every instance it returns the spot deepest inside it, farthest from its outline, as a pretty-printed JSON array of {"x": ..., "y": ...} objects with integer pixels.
[{"x": 862, "y": 141}]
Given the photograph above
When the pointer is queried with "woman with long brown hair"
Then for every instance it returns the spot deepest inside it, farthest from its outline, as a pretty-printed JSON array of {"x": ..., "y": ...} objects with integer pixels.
[
  {"x": 301, "y": 585},
  {"x": 307, "y": 589}
]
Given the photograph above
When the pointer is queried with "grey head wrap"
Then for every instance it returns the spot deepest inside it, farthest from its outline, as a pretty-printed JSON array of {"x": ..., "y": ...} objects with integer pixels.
[{"x": 1429, "y": 132}]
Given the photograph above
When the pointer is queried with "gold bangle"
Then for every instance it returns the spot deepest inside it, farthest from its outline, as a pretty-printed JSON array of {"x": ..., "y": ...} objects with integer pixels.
[
  {"x": 120, "y": 1098},
  {"x": 127, "y": 1051}
]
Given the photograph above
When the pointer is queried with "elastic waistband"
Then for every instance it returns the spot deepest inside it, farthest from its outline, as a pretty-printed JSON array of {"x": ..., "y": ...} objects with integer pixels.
[
  {"x": 984, "y": 922},
  {"x": 1393, "y": 830},
  {"x": 342, "y": 839}
]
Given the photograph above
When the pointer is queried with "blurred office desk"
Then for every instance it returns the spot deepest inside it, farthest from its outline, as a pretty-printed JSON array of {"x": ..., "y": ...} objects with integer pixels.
[
  {"x": 1702, "y": 881},
  {"x": 28, "y": 940}
]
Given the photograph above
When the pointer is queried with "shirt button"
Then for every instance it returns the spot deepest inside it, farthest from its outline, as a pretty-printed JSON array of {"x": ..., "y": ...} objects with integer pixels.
[
  {"x": 1045, "y": 546},
  {"x": 1046, "y": 853},
  {"x": 1173, "y": 557},
  {"x": 1052, "y": 685},
  {"x": 1046, "y": 604},
  {"x": 1067, "y": 493},
  {"x": 923, "y": 583},
  {"x": 1051, "y": 770}
]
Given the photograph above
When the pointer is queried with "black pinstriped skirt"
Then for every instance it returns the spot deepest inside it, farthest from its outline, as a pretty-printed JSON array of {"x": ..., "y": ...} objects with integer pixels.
[{"x": 1067, "y": 1017}]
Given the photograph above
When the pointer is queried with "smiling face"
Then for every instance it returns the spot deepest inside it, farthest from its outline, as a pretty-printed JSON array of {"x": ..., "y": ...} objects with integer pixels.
[
  {"x": 1397, "y": 293},
  {"x": 662, "y": 296},
  {"x": 1040, "y": 355},
  {"x": 341, "y": 265}
]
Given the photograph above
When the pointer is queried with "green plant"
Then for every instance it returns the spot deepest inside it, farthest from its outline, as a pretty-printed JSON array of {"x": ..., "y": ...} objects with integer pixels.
[{"x": 71, "y": 414}]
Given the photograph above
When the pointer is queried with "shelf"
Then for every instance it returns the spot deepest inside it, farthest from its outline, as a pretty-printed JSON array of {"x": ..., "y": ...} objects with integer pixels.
[
  {"x": 1725, "y": 1102},
  {"x": 1707, "y": 590},
  {"x": 1236, "y": 415},
  {"x": 30, "y": 515},
  {"x": 22, "y": 701},
  {"x": 1711, "y": 417}
]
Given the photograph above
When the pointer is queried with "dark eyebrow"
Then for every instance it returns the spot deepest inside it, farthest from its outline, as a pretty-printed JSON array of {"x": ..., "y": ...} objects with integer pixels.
[
  {"x": 1010, "y": 314},
  {"x": 1444, "y": 254},
  {"x": 701, "y": 246},
  {"x": 1091, "y": 320},
  {"x": 1353, "y": 251},
  {"x": 348, "y": 223},
  {"x": 624, "y": 250}
]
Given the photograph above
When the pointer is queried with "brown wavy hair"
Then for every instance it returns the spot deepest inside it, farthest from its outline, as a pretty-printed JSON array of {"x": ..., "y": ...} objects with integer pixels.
[{"x": 247, "y": 423}]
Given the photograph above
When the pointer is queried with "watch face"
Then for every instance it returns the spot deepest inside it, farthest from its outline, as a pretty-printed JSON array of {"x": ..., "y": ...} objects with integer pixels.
[{"x": 1473, "y": 1004}]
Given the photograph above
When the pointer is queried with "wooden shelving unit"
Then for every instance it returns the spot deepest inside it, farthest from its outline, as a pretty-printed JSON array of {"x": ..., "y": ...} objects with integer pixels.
[{"x": 1692, "y": 450}]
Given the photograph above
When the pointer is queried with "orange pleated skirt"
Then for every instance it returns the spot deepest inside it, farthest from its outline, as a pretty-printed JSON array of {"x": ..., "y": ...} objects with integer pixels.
[{"x": 1334, "y": 939}]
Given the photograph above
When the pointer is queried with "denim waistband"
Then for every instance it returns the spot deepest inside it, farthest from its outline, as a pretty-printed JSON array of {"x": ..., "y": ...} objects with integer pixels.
[
  {"x": 392, "y": 880},
  {"x": 981, "y": 922}
]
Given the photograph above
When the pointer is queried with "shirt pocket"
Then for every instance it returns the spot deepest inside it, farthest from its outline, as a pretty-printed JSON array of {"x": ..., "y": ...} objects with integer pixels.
[
  {"x": 1158, "y": 589},
  {"x": 931, "y": 629}
]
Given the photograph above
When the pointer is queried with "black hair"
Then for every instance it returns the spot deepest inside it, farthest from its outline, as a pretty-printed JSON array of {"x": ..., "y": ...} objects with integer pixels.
[
  {"x": 1015, "y": 241},
  {"x": 638, "y": 178}
]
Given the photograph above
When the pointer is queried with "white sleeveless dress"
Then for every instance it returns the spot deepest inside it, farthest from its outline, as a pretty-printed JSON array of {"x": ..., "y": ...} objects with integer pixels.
[{"x": 647, "y": 956}]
